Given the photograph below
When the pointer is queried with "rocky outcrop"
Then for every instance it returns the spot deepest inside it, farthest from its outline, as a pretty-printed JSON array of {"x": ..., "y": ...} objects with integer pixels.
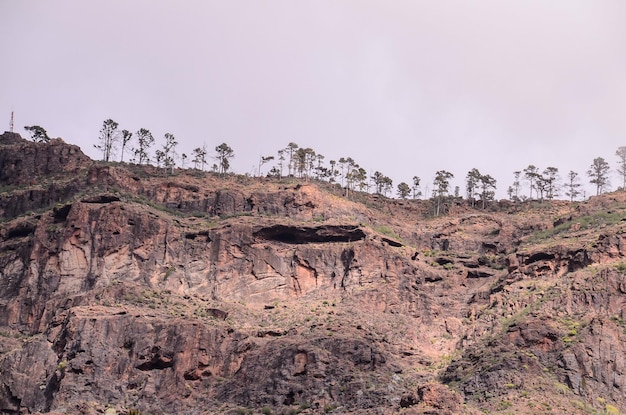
[
  {"x": 85, "y": 246},
  {"x": 196, "y": 294},
  {"x": 319, "y": 371},
  {"x": 432, "y": 398},
  {"x": 38, "y": 175},
  {"x": 105, "y": 354},
  {"x": 27, "y": 163}
]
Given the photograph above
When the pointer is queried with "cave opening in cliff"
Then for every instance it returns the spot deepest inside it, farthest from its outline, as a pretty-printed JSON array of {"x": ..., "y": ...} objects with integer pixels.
[{"x": 304, "y": 235}]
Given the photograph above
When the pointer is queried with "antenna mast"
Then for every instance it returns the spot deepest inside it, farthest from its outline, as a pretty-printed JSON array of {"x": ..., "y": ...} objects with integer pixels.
[{"x": 12, "y": 123}]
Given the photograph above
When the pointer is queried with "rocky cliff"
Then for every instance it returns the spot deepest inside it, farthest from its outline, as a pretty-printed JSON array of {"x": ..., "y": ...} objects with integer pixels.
[{"x": 123, "y": 289}]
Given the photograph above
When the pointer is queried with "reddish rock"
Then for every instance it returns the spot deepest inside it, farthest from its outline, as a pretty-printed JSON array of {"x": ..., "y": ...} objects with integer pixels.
[{"x": 197, "y": 294}]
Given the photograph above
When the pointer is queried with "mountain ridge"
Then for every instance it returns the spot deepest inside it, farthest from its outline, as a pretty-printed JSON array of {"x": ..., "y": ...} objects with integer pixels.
[{"x": 122, "y": 288}]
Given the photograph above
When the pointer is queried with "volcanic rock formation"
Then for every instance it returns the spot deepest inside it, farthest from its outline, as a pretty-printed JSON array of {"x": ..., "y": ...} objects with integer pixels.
[{"x": 123, "y": 288}]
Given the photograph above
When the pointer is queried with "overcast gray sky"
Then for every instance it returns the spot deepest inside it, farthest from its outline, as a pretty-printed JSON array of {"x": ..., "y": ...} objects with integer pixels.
[{"x": 403, "y": 87}]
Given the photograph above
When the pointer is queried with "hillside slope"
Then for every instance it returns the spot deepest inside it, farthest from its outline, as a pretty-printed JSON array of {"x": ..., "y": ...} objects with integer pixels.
[{"x": 121, "y": 288}]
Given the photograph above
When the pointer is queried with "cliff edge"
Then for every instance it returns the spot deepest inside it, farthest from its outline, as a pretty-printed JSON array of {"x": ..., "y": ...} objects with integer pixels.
[{"x": 122, "y": 288}]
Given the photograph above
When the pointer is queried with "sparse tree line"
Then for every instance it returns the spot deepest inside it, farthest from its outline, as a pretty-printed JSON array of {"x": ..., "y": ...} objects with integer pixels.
[
  {"x": 141, "y": 143},
  {"x": 547, "y": 184},
  {"x": 305, "y": 163},
  {"x": 480, "y": 188}
]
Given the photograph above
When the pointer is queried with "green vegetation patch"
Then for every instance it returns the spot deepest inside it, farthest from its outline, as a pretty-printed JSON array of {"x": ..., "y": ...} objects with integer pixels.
[
  {"x": 621, "y": 266},
  {"x": 596, "y": 220},
  {"x": 387, "y": 231}
]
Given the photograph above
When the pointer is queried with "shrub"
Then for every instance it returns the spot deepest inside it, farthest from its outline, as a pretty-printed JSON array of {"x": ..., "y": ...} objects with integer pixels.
[
  {"x": 169, "y": 272},
  {"x": 561, "y": 388},
  {"x": 329, "y": 408},
  {"x": 611, "y": 410},
  {"x": 504, "y": 405}
]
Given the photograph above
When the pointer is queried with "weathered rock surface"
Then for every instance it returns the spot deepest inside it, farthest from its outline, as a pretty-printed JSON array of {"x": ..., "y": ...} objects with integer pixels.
[{"x": 196, "y": 294}]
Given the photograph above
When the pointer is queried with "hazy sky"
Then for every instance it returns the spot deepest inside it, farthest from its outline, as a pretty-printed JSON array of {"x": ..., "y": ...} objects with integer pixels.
[{"x": 404, "y": 87}]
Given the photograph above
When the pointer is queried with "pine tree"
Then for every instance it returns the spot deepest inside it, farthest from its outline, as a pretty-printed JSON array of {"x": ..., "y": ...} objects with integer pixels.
[
  {"x": 199, "y": 157},
  {"x": 621, "y": 167},
  {"x": 599, "y": 174},
  {"x": 572, "y": 186},
  {"x": 472, "y": 185},
  {"x": 37, "y": 134},
  {"x": 144, "y": 142},
  {"x": 416, "y": 187},
  {"x": 531, "y": 173},
  {"x": 169, "y": 152},
  {"x": 223, "y": 155},
  {"x": 108, "y": 137},
  {"x": 126, "y": 137},
  {"x": 441, "y": 188},
  {"x": 404, "y": 190}
]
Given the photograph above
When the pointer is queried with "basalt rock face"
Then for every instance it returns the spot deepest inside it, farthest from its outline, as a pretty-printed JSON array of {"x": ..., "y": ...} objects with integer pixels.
[
  {"x": 64, "y": 269},
  {"x": 23, "y": 162},
  {"x": 191, "y": 293},
  {"x": 39, "y": 174}
]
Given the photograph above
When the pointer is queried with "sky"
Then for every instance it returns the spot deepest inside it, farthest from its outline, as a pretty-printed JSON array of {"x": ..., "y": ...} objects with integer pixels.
[{"x": 403, "y": 87}]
